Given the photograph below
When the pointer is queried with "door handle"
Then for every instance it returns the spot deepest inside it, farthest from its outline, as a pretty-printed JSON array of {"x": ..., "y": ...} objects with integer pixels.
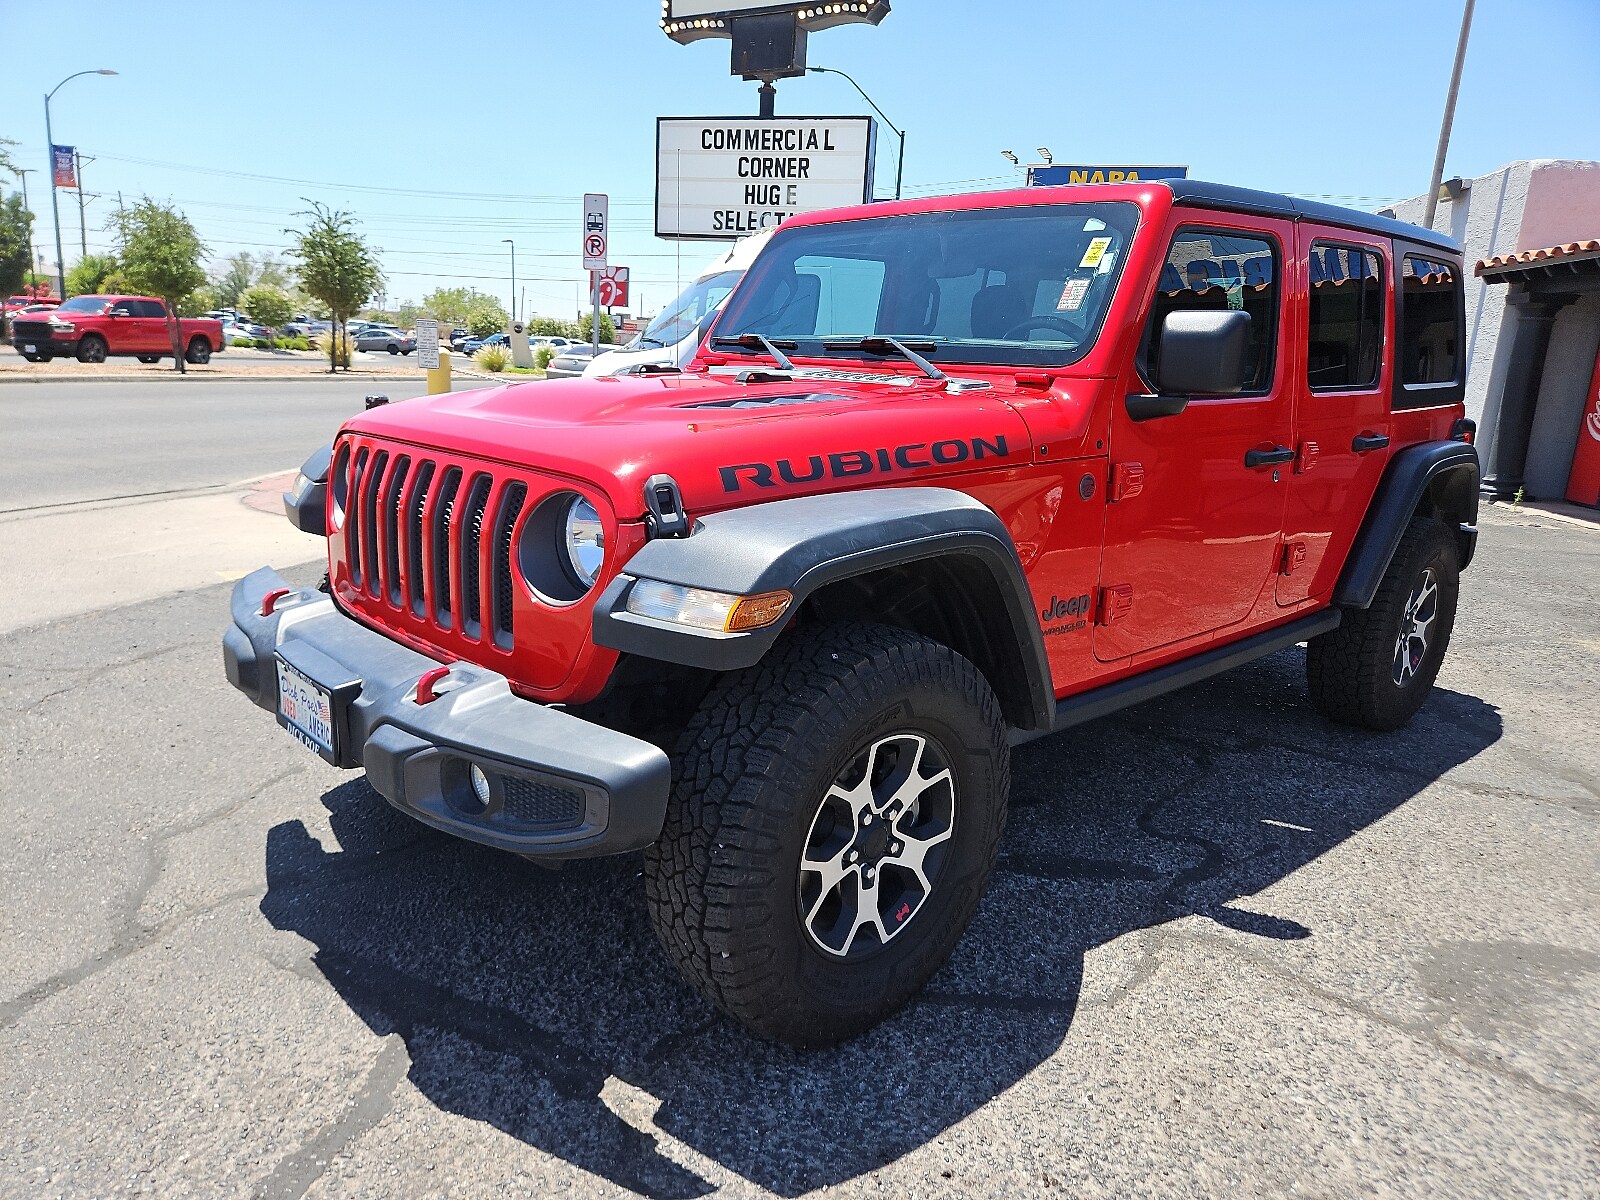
[
  {"x": 1268, "y": 458},
  {"x": 1364, "y": 443}
]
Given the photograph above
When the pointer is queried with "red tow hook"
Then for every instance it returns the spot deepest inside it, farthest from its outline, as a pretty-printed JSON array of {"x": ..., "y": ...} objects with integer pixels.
[
  {"x": 270, "y": 600},
  {"x": 425, "y": 685}
]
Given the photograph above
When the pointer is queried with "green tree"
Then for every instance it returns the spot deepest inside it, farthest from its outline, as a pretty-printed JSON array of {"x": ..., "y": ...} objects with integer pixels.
[
  {"x": 608, "y": 331},
  {"x": 272, "y": 273},
  {"x": 89, "y": 274},
  {"x": 7, "y": 167},
  {"x": 485, "y": 317},
  {"x": 200, "y": 301},
  {"x": 553, "y": 327},
  {"x": 238, "y": 273},
  {"x": 336, "y": 265},
  {"x": 161, "y": 257},
  {"x": 269, "y": 306},
  {"x": 16, "y": 243}
]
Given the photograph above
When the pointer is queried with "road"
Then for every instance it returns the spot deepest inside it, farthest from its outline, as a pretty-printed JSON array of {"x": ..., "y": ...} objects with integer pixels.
[
  {"x": 1228, "y": 951},
  {"x": 72, "y": 442}
]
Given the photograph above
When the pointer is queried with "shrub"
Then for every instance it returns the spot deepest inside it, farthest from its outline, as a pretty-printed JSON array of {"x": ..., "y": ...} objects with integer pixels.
[
  {"x": 492, "y": 358},
  {"x": 543, "y": 355},
  {"x": 328, "y": 344}
]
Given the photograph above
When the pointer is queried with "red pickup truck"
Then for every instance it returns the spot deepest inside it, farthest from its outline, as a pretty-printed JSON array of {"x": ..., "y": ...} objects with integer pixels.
[{"x": 92, "y": 328}]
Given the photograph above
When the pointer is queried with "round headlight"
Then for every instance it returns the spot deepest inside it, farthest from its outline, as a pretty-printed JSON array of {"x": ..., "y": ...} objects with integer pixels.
[{"x": 585, "y": 542}]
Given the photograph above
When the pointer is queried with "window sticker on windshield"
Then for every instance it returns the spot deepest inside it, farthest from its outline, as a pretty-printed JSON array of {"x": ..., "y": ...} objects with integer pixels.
[
  {"x": 1096, "y": 250},
  {"x": 1072, "y": 295}
]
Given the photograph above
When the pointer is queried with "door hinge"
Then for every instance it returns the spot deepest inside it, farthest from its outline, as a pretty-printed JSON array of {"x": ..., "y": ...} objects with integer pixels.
[
  {"x": 1116, "y": 602},
  {"x": 1127, "y": 480},
  {"x": 1294, "y": 556},
  {"x": 1307, "y": 458}
]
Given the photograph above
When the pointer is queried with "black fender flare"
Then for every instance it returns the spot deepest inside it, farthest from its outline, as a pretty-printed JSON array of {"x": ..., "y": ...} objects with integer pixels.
[
  {"x": 306, "y": 501},
  {"x": 803, "y": 544},
  {"x": 1440, "y": 475}
]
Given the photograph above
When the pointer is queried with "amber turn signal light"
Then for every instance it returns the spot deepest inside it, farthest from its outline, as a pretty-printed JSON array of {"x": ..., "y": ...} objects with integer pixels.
[{"x": 756, "y": 612}]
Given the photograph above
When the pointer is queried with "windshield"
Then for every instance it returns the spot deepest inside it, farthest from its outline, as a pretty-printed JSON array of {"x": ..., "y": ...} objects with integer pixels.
[
  {"x": 85, "y": 304},
  {"x": 1025, "y": 286},
  {"x": 680, "y": 318}
]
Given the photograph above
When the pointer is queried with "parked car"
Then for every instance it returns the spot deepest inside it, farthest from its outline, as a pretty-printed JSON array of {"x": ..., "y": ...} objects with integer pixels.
[
  {"x": 242, "y": 332},
  {"x": 574, "y": 360},
  {"x": 13, "y": 304},
  {"x": 671, "y": 339},
  {"x": 391, "y": 340},
  {"x": 458, "y": 338},
  {"x": 778, "y": 621},
  {"x": 94, "y": 328},
  {"x": 473, "y": 344}
]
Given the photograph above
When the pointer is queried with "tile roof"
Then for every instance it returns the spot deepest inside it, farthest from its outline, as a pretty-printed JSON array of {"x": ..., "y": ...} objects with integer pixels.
[{"x": 1526, "y": 257}]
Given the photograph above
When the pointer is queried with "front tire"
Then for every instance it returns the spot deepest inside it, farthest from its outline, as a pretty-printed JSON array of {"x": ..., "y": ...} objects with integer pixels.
[
  {"x": 393, "y": 349},
  {"x": 836, "y": 810},
  {"x": 92, "y": 349},
  {"x": 199, "y": 352},
  {"x": 1376, "y": 669}
]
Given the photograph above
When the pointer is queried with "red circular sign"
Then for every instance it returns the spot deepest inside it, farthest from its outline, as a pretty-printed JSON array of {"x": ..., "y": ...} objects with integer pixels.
[{"x": 594, "y": 246}]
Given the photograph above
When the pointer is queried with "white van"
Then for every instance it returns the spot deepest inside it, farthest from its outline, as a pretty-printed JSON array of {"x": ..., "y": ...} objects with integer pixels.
[{"x": 673, "y": 337}]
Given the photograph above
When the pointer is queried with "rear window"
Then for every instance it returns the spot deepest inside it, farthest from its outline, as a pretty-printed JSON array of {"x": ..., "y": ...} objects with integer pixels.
[
  {"x": 1346, "y": 327},
  {"x": 1430, "y": 323}
]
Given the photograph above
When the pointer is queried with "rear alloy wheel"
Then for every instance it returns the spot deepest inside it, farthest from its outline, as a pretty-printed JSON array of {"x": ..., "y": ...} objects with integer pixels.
[
  {"x": 1378, "y": 667},
  {"x": 92, "y": 349},
  {"x": 835, "y": 812},
  {"x": 199, "y": 352}
]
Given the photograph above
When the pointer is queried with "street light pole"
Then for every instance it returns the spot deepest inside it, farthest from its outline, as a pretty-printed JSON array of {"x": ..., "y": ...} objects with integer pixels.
[
  {"x": 900, "y": 164},
  {"x": 50, "y": 148},
  {"x": 513, "y": 246}
]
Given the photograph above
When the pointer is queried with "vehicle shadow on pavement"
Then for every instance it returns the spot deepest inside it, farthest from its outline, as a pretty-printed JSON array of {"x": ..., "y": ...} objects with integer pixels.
[{"x": 539, "y": 1001}]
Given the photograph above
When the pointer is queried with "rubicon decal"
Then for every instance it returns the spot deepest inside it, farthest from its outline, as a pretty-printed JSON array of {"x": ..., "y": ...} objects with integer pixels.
[{"x": 884, "y": 460}]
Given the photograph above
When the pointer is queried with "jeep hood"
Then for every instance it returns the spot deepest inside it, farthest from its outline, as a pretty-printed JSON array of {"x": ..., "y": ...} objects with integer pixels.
[{"x": 727, "y": 443}]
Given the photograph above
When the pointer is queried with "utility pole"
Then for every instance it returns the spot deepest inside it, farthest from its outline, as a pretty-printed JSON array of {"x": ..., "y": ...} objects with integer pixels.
[
  {"x": 22, "y": 174},
  {"x": 83, "y": 230},
  {"x": 1449, "y": 117},
  {"x": 122, "y": 221}
]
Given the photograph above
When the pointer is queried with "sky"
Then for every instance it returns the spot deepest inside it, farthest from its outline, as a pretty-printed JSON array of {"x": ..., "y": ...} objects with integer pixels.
[{"x": 446, "y": 133}]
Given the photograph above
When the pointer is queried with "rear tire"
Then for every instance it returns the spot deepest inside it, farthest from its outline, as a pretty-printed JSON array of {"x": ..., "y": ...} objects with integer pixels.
[
  {"x": 92, "y": 349},
  {"x": 199, "y": 352},
  {"x": 1376, "y": 670},
  {"x": 835, "y": 813}
]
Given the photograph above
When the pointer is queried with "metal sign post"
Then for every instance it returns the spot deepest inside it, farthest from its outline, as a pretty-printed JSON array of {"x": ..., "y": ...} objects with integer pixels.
[{"x": 596, "y": 222}]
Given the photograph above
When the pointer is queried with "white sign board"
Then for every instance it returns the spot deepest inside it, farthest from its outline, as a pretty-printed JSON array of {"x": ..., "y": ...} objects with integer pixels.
[
  {"x": 728, "y": 177},
  {"x": 427, "y": 343},
  {"x": 596, "y": 219},
  {"x": 677, "y": 10}
]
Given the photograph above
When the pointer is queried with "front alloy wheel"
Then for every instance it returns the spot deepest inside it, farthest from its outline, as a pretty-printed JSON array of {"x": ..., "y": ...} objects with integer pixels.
[
  {"x": 835, "y": 812},
  {"x": 877, "y": 845},
  {"x": 1411, "y": 645}
]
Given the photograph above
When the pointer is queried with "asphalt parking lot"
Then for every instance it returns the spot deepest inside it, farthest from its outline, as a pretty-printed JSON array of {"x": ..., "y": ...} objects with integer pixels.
[{"x": 1229, "y": 950}]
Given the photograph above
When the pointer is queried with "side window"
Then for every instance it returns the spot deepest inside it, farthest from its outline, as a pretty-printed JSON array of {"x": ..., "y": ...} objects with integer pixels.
[
  {"x": 1430, "y": 321},
  {"x": 1346, "y": 331},
  {"x": 1215, "y": 270}
]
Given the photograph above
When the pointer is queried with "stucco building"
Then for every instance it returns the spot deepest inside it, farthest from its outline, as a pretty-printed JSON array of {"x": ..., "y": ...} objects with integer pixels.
[{"x": 1532, "y": 237}]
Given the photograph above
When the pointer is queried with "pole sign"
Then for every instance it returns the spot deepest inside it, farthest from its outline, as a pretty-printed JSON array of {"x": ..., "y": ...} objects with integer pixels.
[
  {"x": 428, "y": 343},
  {"x": 613, "y": 287},
  {"x": 596, "y": 222},
  {"x": 1059, "y": 173},
  {"x": 724, "y": 178},
  {"x": 64, "y": 166}
]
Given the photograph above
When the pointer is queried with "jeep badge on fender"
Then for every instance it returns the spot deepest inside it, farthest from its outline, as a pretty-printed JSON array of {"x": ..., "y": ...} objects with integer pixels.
[{"x": 947, "y": 474}]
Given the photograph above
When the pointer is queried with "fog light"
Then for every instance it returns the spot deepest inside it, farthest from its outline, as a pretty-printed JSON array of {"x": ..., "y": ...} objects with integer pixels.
[
  {"x": 480, "y": 784},
  {"x": 702, "y": 608}
]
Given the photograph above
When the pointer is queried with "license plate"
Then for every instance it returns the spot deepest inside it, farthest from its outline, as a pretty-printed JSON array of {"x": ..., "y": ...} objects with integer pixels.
[
  {"x": 307, "y": 710},
  {"x": 29, "y": 349}
]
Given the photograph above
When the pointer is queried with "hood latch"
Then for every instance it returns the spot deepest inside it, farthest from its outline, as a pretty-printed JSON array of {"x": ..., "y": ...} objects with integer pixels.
[{"x": 664, "y": 516}]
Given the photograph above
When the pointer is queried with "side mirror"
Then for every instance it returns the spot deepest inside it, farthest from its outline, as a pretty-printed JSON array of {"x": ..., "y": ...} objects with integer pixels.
[{"x": 1202, "y": 353}]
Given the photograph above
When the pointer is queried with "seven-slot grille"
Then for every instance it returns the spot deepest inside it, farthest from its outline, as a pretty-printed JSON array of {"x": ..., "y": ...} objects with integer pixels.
[{"x": 431, "y": 538}]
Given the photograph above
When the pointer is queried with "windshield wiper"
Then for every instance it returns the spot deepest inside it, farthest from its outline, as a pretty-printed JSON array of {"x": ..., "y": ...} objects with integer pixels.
[
  {"x": 755, "y": 341},
  {"x": 876, "y": 343}
]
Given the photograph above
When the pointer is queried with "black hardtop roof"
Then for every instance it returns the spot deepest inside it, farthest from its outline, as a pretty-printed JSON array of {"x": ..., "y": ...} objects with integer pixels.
[{"x": 1273, "y": 204}]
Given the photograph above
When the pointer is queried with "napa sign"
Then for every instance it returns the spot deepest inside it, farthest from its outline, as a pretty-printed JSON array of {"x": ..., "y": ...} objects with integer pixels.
[{"x": 1059, "y": 173}]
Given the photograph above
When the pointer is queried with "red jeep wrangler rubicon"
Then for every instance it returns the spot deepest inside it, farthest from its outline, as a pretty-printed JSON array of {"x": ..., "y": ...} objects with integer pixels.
[
  {"x": 948, "y": 474},
  {"x": 94, "y": 328}
]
